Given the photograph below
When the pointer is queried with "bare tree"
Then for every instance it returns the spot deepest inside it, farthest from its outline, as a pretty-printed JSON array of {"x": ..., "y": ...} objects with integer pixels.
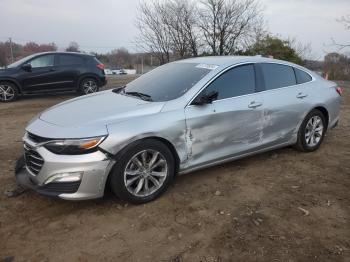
[
  {"x": 73, "y": 47},
  {"x": 153, "y": 31},
  {"x": 32, "y": 47},
  {"x": 227, "y": 24},
  {"x": 304, "y": 51},
  {"x": 337, "y": 66},
  {"x": 345, "y": 20},
  {"x": 168, "y": 29},
  {"x": 3, "y": 59},
  {"x": 180, "y": 19},
  {"x": 180, "y": 28},
  {"x": 120, "y": 58}
]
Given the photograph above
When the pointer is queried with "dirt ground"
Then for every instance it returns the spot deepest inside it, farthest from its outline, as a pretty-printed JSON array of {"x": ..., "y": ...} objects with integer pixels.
[{"x": 278, "y": 206}]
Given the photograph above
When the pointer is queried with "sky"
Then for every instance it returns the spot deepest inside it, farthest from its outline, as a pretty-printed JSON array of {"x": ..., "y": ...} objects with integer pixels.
[{"x": 103, "y": 25}]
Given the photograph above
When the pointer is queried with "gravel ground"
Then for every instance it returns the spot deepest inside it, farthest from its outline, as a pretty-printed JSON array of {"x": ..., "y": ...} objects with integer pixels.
[{"x": 278, "y": 206}]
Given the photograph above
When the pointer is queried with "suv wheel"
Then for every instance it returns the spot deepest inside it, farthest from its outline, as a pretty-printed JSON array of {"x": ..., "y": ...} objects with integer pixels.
[
  {"x": 88, "y": 86},
  {"x": 8, "y": 92},
  {"x": 311, "y": 132},
  {"x": 143, "y": 171}
]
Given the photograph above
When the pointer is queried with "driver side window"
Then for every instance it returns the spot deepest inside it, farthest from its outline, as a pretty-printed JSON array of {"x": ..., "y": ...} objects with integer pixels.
[
  {"x": 42, "y": 61},
  {"x": 237, "y": 81}
]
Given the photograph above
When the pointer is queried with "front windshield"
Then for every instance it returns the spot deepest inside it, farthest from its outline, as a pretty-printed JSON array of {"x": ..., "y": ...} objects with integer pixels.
[
  {"x": 19, "y": 62},
  {"x": 167, "y": 82}
]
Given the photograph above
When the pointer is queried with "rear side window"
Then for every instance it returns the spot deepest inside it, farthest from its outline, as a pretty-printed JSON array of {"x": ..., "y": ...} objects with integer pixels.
[
  {"x": 70, "y": 60},
  {"x": 302, "y": 77},
  {"x": 277, "y": 76},
  {"x": 235, "y": 82}
]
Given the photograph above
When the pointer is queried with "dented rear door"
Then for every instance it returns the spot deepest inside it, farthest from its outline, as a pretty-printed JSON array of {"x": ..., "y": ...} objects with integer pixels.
[{"x": 285, "y": 104}]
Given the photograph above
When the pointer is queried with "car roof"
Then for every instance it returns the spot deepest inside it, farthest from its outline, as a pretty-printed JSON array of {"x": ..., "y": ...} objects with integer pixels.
[
  {"x": 60, "y": 52},
  {"x": 231, "y": 60}
]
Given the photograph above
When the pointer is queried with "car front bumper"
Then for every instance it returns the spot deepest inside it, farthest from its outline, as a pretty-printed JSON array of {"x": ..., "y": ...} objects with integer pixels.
[{"x": 93, "y": 169}]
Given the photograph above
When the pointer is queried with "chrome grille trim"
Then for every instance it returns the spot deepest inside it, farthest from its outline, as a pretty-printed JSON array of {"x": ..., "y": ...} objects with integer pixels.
[{"x": 33, "y": 159}]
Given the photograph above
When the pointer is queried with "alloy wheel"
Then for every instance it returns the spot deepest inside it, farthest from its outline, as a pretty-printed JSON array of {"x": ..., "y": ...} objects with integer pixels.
[
  {"x": 145, "y": 173},
  {"x": 90, "y": 86},
  {"x": 314, "y": 131},
  {"x": 6, "y": 92}
]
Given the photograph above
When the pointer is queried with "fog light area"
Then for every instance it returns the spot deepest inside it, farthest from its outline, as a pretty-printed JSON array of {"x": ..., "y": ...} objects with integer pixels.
[{"x": 65, "y": 177}]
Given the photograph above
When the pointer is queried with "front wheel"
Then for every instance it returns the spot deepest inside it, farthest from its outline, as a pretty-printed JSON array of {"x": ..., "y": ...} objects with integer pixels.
[
  {"x": 311, "y": 132},
  {"x": 88, "y": 86},
  {"x": 143, "y": 171},
  {"x": 8, "y": 92}
]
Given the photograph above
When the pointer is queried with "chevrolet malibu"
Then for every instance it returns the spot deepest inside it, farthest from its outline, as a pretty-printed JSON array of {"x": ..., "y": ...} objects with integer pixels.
[{"x": 178, "y": 118}]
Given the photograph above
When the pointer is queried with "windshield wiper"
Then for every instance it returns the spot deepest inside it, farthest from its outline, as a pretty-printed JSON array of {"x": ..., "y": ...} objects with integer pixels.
[
  {"x": 143, "y": 96},
  {"x": 118, "y": 89},
  {"x": 140, "y": 95}
]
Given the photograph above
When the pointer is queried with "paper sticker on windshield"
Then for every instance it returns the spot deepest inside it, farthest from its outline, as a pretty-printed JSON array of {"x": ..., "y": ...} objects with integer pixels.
[{"x": 206, "y": 66}]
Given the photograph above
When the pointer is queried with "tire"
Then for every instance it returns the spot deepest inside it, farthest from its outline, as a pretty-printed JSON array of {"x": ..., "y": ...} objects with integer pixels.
[
  {"x": 134, "y": 181},
  {"x": 87, "y": 86},
  {"x": 8, "y": 92},
  {"x": 311, "y": 142}
]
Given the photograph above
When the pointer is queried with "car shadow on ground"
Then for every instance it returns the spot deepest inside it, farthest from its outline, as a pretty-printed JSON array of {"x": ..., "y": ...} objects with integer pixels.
[{"x": 69, "y": 95}]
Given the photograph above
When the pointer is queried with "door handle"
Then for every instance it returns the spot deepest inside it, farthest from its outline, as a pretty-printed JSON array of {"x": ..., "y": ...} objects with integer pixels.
[
  {"x": 254, "y": 104},
  {"x": 301, "y": 95},
  {"x": 52, "y": 69}
]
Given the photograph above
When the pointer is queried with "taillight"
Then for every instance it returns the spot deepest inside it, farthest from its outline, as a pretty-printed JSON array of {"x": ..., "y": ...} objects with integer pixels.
[
  {"x": 101, "y": 66},
  {"x": 339, "y": 90}
]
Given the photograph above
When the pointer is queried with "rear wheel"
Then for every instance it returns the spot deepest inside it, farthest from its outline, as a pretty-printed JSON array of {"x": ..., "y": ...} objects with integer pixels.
[
  {"x": 144, "y": 170},
  {"x": 311, "y": 132},
  {"x": 88, "y": 86},
  {"x": 8, "y": 92}
]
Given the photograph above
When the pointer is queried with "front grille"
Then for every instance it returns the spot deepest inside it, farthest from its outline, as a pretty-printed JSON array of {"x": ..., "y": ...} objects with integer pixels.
[
  {"x": 62, "y": 187},
  {"x": 33, "y": 160}
]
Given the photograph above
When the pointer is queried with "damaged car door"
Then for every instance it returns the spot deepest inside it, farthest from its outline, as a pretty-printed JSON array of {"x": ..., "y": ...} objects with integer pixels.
[
  {"x": 226, "y": 118},
  {"x": 286, "y": 102}
]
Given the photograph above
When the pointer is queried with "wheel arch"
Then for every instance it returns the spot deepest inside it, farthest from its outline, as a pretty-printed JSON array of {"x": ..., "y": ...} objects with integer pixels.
[
  {"x": 121, "y": 151},
  {"x": 154, "y": 137},
  {"x": 89, "y": 75},
  {"x": 171, "y": 148},
  {"x": 13, "y": 81},
  {"x": 325, "y": 113}
]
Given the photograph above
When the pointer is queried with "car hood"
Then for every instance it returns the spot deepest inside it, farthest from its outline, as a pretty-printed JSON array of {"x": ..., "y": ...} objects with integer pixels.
[
  {"x": 7, "y": 71},
  {"x": 101, "y": 108}
]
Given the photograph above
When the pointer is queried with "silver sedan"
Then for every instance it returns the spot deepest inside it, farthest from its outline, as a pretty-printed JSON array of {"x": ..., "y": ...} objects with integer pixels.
[{"x": 179, "y": 117}]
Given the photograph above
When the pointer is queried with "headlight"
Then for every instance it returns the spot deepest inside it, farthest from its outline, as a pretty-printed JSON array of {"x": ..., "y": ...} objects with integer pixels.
[{"x": 74, "y": 146}]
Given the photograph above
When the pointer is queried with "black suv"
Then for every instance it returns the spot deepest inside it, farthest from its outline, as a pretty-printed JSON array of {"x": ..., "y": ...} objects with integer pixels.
[{"x": 51, "y": 72}]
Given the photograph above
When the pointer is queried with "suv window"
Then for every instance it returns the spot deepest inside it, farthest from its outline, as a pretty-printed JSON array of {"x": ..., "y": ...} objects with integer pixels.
[
  {"x": 235, "y": 82},
  {"x": 277, "y": 76},
  {"x": 70, "y": 60},
  {"x": 42, "y": 61},
  {"x": 302, "y": 77}
]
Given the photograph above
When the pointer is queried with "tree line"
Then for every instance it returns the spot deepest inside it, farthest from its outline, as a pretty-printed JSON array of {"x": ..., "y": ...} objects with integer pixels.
[
  {"x": 14, "y": 51},
  {"x": 176, "y": 29}
]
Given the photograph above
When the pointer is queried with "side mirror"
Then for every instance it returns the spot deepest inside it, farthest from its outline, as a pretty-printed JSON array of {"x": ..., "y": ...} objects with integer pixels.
[
  {"x": 27, "y": 67},
  {"x": 204, "y": 99}
]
